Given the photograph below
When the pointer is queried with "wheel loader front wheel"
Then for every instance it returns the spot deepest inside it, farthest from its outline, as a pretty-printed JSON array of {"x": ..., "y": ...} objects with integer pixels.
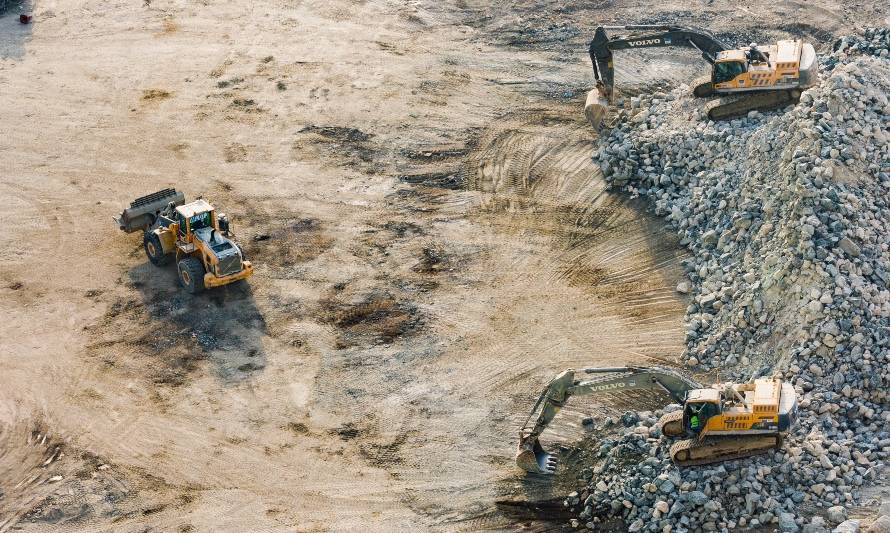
[
  {"x": 191, "y": 274},
  {"x": 153, "y": 249}
]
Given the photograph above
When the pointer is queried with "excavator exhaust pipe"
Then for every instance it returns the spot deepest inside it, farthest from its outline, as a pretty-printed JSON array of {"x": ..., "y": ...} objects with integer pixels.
[
  {"x": 532, "y": 457},
  {"x": 595, "y": 108}
]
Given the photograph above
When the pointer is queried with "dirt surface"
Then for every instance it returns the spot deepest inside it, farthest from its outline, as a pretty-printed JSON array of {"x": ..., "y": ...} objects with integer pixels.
[{"x": 432, "y": 241}]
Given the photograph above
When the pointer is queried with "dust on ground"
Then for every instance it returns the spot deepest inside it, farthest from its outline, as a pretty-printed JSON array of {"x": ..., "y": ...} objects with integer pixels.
[{"x": 432, "y": 243}]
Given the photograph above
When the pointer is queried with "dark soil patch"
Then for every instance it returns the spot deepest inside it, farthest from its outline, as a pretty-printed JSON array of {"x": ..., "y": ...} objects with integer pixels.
[
  {"x": 351, "y": 146},
  {"x": 338, "y": 133},
  {"x": 229, "y": 83},
  {"x": 378, "y": 318},
  {"x": 347, "y": 431},
  {"x": 433, "y": 261},
  {"x": 298, "y": 428},
  {"x": 403, "y": 229},
  {"x": 285, "y": 244},
  {"x": 801, "y": 30},
  {"x": 247, "y": 105},
  {"x": 155, "y": 94},
  {"x": 383, "y": 455},
  {"x": 452, "y": 180}
]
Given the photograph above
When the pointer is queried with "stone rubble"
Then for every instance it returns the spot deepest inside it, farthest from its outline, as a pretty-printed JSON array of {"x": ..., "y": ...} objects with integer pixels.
[{"x": 787, "y": 218}]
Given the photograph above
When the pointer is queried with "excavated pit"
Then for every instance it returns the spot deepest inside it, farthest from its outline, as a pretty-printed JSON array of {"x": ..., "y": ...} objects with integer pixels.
[{"x": 431, "y": 238}]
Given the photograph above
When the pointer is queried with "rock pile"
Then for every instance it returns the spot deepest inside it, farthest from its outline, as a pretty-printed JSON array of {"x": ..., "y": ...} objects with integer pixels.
[{"x": 787, "y": 217}]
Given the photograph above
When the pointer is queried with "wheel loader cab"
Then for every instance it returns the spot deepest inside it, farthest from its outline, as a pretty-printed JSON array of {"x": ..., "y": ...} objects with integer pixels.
[
  {"x": 200, "y": 221},
  {"x": 194, "y": 216}
]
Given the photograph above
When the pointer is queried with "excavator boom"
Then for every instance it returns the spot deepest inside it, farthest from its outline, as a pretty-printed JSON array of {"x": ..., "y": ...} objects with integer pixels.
[
  {"x": 602, "y": 46},
  {"x": 533, "y": 458}
]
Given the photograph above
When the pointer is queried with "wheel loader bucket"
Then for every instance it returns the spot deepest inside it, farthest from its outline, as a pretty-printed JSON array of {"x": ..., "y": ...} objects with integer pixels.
[
  {"x": 532, "y": 457},
  {"x": 595, "y": 108},
  {"x": 142, "y": 211}
]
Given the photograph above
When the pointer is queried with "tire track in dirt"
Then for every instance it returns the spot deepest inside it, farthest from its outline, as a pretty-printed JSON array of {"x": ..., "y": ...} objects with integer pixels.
[
  {"x": 571, "y": 278},
  {"x": 610, "y": 247}
]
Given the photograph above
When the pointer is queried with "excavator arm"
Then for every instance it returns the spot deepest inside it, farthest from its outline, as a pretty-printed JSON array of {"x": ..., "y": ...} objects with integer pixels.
[
  {"x": 602, "y": 46},
  {"x": 531, "y": 455}
]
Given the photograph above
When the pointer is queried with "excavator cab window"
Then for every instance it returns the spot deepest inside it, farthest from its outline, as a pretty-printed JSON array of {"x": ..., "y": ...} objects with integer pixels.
[
  {"x": 697, "y": 414},
  {"x": 728, "y": 70}
]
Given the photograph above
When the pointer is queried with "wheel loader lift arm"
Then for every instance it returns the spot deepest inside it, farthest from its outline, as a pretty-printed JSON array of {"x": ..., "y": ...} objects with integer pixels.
[
  {"x": 601, "y": 48},
  {"x": 531, "y": 455}
]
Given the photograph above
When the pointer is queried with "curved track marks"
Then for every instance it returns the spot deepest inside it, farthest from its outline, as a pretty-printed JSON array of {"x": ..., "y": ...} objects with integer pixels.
[{"x": 564, "y": 274}]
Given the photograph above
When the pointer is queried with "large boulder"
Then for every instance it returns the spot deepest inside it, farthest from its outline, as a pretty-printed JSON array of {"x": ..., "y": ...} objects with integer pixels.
[
  {"x": 848, "y": 526},
  {"x": 881, "y": 525}
]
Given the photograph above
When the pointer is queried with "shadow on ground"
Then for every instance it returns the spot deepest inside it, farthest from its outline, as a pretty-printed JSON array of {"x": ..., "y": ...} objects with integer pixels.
[{"x": 172, "y": 333}]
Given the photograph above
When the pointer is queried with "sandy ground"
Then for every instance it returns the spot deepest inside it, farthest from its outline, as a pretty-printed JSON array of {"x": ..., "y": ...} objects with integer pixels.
[{"x": 412, "y": 181}]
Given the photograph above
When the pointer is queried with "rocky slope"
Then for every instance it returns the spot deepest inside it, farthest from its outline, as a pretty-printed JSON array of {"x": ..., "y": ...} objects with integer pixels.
[{"x": 787, "y": 216}]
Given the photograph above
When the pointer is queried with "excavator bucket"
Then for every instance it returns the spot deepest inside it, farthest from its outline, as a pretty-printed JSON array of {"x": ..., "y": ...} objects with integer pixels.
[
  {"x": 532, "y": 457},
  {"x": 595, "y": 108}
]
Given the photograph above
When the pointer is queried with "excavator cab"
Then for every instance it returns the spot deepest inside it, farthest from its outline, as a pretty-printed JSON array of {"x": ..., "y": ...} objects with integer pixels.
[
  {"x": 701, "y": 404},
  {"x": 725, "y": 71}
]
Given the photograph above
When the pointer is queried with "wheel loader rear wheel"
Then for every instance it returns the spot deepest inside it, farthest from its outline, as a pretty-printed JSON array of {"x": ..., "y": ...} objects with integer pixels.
[
  {"x": 191, "y": 274},
  {"x": 153, "y": 249}
]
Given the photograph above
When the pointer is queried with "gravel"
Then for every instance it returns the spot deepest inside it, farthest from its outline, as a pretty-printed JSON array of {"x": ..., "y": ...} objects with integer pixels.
[{"x": 787, "y": 218}]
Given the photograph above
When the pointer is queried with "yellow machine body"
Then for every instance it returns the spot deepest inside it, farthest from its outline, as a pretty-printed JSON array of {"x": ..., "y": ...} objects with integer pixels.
[
  {"x": 749, "y": 408},
  {"x": 780, "y": 71},
  {"x": 180, "y": 238}
]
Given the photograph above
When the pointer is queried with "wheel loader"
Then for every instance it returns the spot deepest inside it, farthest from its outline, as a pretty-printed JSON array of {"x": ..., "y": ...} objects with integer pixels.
[
  {"x": 193, "y": 234},
  {"x": 717, "y": 423},
  {"x": 749, "y": 78}
]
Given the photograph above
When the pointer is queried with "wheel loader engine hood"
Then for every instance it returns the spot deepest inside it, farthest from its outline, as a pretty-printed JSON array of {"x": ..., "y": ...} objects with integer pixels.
[
  {"x": 226, "y": 252},
  {"x": 809, "y": 67}
]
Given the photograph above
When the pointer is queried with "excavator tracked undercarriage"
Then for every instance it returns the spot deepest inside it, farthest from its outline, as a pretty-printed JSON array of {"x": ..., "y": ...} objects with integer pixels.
[
  {"x": 718, "y": 423},
  {"x": 746, "y": 79}
]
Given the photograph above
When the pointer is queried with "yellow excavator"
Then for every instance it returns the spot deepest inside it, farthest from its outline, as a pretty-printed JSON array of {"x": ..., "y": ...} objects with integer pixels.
[
  {"x": 718, "y": 423},
  {"x": 750, "y": 78}
]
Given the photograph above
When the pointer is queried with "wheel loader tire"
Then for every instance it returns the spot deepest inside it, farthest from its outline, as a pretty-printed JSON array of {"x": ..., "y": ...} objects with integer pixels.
[
  {"x": 191, "y": 274},
  {"x": 154, "y": 250}
]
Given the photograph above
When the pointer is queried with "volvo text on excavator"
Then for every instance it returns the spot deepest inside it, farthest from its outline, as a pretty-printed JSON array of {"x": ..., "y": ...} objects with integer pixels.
[
  {"x": 749, "y": 78},
  {"x": 718, "y": 423}
]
